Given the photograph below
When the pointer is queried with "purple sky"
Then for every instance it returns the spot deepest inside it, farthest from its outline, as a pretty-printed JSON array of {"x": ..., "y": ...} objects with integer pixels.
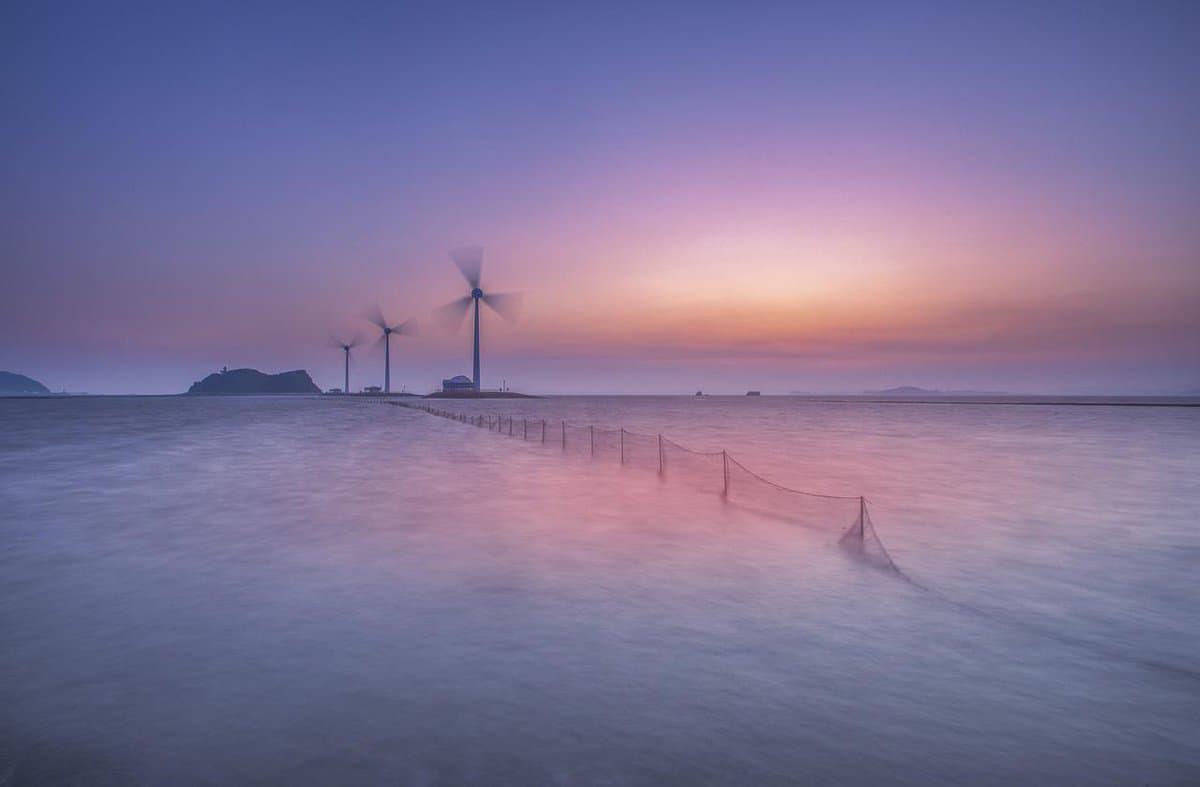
[{"x": 808, "y": 197}]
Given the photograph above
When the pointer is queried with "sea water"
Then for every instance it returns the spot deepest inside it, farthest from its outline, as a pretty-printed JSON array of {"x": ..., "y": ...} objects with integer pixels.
[{"x": 331, "y": 590}]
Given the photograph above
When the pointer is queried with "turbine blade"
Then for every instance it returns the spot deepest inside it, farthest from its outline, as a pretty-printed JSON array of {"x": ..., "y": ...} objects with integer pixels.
[
  {"x": 469, "y": 260},
  {"x": 407, "y": 328},
  {"x": 450, "y": 316},
  {"x": 506, "y": 304},
  {"x": 336, "y": 342},
  {"x": 357, "y": 340},
  {"x": 375, "y": 316}
]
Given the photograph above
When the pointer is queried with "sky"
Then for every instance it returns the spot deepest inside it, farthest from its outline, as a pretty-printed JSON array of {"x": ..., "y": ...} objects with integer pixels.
[{"x": 792, "y": 197}]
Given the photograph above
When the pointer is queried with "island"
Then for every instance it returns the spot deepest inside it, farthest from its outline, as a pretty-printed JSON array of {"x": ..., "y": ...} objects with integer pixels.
[
  {"x": 12, "y": 383},
  {"x": 252, "y": 381}
]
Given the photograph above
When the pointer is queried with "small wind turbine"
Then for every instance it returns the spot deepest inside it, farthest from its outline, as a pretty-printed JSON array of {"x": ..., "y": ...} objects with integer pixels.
[
  {"x": 346, "y": 347},
  {"x": 469, "y": 260},
  {"x": 406, "y": 328}
]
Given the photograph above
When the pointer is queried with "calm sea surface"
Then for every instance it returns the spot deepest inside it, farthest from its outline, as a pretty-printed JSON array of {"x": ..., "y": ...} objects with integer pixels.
[{"x": 322, "y": 591}]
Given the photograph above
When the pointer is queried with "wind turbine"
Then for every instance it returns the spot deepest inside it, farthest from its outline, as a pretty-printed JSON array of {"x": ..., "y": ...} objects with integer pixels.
[
  {"x": 406, "y": 328},
  {"x": 346, "y": 347},
  {"x": 469, "y": 260}
]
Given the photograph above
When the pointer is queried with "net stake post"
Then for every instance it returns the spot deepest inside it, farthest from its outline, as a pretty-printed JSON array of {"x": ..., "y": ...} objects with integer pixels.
[
  {"x": 592, "y": 437},
  {"x": 525, "y": 429},
  {"x": 725, "y": 472},
  {"x": 862, "y": 519},
  {"x": 622, "y": 439},
  {"x": 660, "y": 456},
  {"x": 564, "y": 435},
  {"x": 543, "y": 430}
]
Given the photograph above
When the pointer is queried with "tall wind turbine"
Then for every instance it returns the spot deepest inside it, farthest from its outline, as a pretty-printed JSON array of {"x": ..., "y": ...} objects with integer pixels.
[
  {"x": 469, "y": 260},
  {"x": 406, "y": 328},
  {"x": 346, "y": 347}
]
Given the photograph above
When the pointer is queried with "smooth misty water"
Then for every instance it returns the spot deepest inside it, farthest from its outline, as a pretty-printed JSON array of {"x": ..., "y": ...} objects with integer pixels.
[{"x": 317, "y": 591}]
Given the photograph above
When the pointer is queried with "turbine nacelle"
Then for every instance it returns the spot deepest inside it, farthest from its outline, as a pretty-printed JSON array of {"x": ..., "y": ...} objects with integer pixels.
[{"x": 343, "y": 345}]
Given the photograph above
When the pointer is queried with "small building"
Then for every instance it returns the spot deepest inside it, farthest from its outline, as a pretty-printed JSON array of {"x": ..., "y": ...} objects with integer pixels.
[
  {"x": 372, "y": 389},
  {"x": 457, "y": 384}
]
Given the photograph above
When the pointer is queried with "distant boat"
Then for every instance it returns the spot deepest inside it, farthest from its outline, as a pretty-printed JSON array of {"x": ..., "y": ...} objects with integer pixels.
[
  {"x": 699, "y": 393},
  {"x": 753, "y": 393}
]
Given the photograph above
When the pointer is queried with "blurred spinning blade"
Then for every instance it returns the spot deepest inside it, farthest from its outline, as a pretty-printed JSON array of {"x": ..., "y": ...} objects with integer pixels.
[
  {"x": 450, "y": 317},
  {"x": 506, "y": 304},
  {"x": 469, "y": 260}
]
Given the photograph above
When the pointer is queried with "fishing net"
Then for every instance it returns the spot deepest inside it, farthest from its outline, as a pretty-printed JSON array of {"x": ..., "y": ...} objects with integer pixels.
[
  {"x": 704, "y": 470},
  {"x": 709, "y": 471},
  {"x": 640, "y": 450}
]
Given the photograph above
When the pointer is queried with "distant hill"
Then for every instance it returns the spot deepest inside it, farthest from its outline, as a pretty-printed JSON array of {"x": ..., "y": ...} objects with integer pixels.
[
  {"x": 904, "y": 390},
  {"x": 252, "y": 381},
  {"x": 13, "y": 383},
  {"x": 912, "y": 390}
]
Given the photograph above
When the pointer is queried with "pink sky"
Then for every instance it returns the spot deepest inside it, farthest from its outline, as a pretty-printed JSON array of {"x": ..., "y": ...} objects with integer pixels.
[{"x": 979, "y": 206}]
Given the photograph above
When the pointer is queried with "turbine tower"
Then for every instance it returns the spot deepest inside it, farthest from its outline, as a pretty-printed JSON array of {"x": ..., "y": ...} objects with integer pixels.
[
  {"x": 406, "y": 328},
  {"x": 346, "y": 347},
  {"x": 469, "y": 260}
]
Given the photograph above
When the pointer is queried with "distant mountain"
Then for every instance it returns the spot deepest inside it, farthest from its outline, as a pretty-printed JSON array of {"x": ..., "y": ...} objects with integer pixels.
[
  {"x": 252, "y": 381},
  {"x": 912, "y": 390},
  {"x": 904, "y": 390},
  {"x": 13, "y": 383}
]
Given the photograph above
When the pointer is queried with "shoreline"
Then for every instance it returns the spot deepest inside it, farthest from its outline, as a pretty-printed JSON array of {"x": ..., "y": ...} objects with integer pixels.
[{"x": 995, "y": 401}]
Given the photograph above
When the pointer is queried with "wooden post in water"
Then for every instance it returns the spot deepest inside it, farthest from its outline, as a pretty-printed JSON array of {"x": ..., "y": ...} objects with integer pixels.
[
  {"x": 622, "y": 439},
  {"x": 564, "y": 435},
  {"x": 525, "y": 429},
  {"x": 592, "y": 437},
  {"x": 725, "y": 468},
  {"x": 862, "y": 520},
  {"x": 660, "y": 456}
]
